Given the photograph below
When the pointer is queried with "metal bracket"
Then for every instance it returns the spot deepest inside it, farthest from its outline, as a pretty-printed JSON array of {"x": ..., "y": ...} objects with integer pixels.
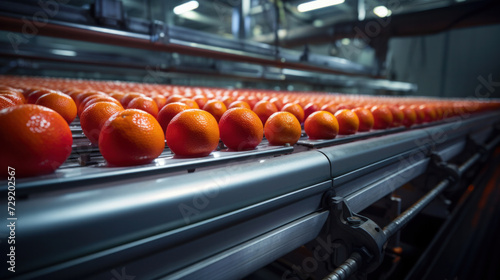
[
  {"x": 357, "y": 234},
  {"x": 109, "y": 12},
  {"x": 159, "y": 32},
  {"x": 450, "y": 171}
]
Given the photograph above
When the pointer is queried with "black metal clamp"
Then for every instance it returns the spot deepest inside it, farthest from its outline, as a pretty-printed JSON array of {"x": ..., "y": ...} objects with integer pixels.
[
  {"x": 360, "y": 238},
  {"x": 443, "y": 168}
]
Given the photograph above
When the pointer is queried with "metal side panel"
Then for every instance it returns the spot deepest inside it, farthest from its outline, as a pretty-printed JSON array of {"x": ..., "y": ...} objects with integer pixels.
[
  {"x": 352, "y": 156},
  {"x": 246, "y": 258},
  {"x": 456, "y": 127},
  {"x": 76, "y": 223}
]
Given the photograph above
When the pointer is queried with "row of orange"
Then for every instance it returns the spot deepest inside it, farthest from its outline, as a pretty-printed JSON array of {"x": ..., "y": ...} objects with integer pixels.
[{"x": 158, "y": 112}]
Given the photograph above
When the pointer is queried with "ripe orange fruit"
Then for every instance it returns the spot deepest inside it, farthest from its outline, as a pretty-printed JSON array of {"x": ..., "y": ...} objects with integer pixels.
[
  {"x": 190, "y": 103},
  {"x": 419, "y": 112},
  {"x": 429, "y": 113},
  {"x": 282, "y": 128},
  {"x": 80, "y": 97},
  {"x": 61, "y": 103},
  {"x": 94, "y": 99},
  {"x": 277, "y": 102},
  {"x": 117, "y": 96},
  {"x": 146, "y": 104},
  {"x": 397, "y": 116},
  {"x": 94, "y": 116},
  {"x": 200, "y": 100},
  {"x": 332, "y": 108},
  {"x": 264, "y": 109},
  {"x": 6, "y": 102},
  {"x": 382, "y": 116},
  {"x": 129, "y": 97},
  {"x": 348, "y": 121},
  {"x": 193, "y": 133},
  {"x": 174, "y": 98},
  {"x": 16, "y": 96},
  {"x": 239, "y": 103},
  {"x": 227, "y": 100},
  {"x": 168, "y": 112},
  {"x": 365, "y": 117},
  {"x": 309, "y": 109},
  {"x": 34, "y": 95},
  {"x": 241, "y": 129},
  {"x": 321, "y": 125},
  {"x": 160, "y": 100},
  {"x": 296, "y": 110},
  {"x": 410, "y": 117},
  {"x": 131, "y": 137},
  {"x": 216, "y": 108},
  {"x": 37, "y": 140}
]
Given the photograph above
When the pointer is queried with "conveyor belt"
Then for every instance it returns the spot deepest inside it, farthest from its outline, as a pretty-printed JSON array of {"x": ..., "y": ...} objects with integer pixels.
[{"x": 97, "y": 219}]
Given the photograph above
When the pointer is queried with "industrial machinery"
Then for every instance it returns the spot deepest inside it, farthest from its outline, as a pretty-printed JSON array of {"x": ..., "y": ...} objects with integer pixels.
[{"x": 399, "y": 203}]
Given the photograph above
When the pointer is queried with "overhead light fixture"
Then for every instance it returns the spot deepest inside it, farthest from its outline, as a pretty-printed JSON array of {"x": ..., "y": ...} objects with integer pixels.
[
  {"x": 317, "y": 4},
  {"x": 382, "y": 11},
  {"x": 186, "y": 7}
]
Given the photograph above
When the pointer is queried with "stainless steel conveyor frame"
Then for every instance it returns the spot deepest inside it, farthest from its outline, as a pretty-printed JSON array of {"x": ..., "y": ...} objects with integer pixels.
[{"x": 225, "y": 219}]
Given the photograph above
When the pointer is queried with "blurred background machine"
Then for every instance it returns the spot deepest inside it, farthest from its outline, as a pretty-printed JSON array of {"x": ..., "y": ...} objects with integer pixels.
[{"x": 404, "y": 204}]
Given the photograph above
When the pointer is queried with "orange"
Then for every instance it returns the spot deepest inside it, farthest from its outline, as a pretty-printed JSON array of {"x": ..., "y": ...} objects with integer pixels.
[
  {"x": 282, "y": 128},
  {"x": 264, "y": 109},
  {"x": 252, "y": 101},
  {"x": 80, "y": 97},
  {"x": 410, "y": 117},
  {"x": 309, "y": 109},
  {"x": 117, "y": 96},
  {"x": 382, "y": 116},
  {"x": 98, "y": 98},
  {"x": 6, "y": 102},
  {"x": 216, "y": 108},
  {"x": 174, "y": 98},
  {"x": 93, "y": 99},
  {"x": 277, "y": 102},
  {"x": 365, "y": 117},
  {"x": 239, "y": 103},
  {"x": 61, "y": 103},
  {"x": 200, "y": 100},
  {"x": 295, "y": 109},
  {"x": 168, "y": 112},
  {"x": 241, "y": 129},
  {"x": 321, "y": 125},
  {"x": 332, "y": 108},
  {"x": 419, "y": 112},
  {"x": 397, "y": 116},
  {"x": 348, "y": 121},
  {"x": 429, "y": 113},
  {"x": 227, "y": 100},
  {"x": 94, "y": 116},
  {"x": 131, "y": 137},
  {"x": 38, "y": 140},
  {"x": 160, "y": 100},
  {"x": 33, "y": 96},
  {"x": 16, "y": 96},
  {"x": 146, "y": 104},
  {"x": 129, "y": 97},
  {"x": 193, "y": 133},
  {"x": 190, "y": 103}
]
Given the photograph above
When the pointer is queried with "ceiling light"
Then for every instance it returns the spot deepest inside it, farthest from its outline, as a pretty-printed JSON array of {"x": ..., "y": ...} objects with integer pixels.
[
  {"x": 318, "y": 4},
  {"x": 186, "y": 7},
  {"x": 64, "y": 52},
  {"x": 382, "y": 11}
]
